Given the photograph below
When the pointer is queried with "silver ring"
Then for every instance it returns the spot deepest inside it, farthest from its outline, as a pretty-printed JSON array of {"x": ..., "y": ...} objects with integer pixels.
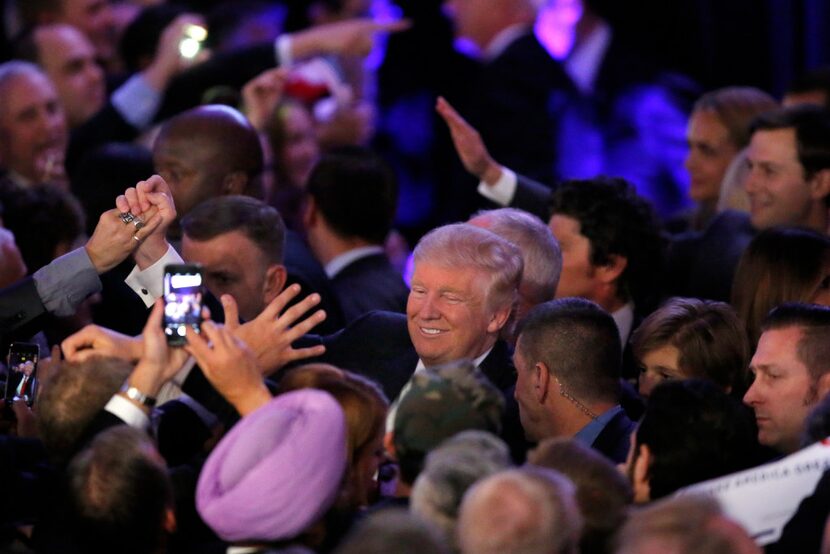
[
  {"x": 135, "y": 238},
  {"x": 137, "y": 221},
  {"x": 126, "y": 217}
]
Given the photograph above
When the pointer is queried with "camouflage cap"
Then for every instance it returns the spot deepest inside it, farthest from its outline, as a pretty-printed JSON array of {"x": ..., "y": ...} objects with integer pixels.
[{"x": 443, "y": 401}]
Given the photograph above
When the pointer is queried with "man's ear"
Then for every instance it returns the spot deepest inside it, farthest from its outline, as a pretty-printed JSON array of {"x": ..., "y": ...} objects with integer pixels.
[
  {"x": 499, "y": 319},
  {"x": 309, "y": 212},
  {"x": 823, "y": 386},
  {"x": 389, "y": 444},
  {"x": 541, "y": 382},
  {"x": 641, "y": 474},
  {"x": 820, "y": 185},
  {"x": 169, "y": 523},
  {"x": 275, "y": 277},
  {"x": 610, "y": 271},
  {"x": 234, "y": 183}
]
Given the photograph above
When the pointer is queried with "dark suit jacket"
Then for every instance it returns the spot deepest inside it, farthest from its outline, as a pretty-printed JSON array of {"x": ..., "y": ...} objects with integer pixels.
[
  {"x": 703, "y": 264},
  {"x": 20, "y": 305},
  {"x": 304, "y": 269},
  {"x": 377, "y": 345},
  {"x": 514, "y": 102},
  {"x": 367, "y": 284},
  {"x": 614, "y": 440},
  {"x": 805, "y": 530}
]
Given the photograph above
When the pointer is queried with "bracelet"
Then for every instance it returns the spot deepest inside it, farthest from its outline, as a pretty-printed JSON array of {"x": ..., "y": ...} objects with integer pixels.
[{"x": 134, "y": 394}]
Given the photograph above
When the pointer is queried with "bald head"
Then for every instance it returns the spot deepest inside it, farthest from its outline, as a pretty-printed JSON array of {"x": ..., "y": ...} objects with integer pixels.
[
  {"x": 523, "y": 511},
  {"x": 206, "y": 152}
]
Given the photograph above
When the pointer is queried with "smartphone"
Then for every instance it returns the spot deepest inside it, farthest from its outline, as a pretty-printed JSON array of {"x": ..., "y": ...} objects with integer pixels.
[
  {"x": 183, "y": 294},
  {"x": 21, "y": 381},
  {"x": 192, "y": 40}
]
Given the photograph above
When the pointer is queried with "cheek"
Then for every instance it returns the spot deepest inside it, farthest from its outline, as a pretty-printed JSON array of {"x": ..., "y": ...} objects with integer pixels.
[{"x": 822, "y": 298}]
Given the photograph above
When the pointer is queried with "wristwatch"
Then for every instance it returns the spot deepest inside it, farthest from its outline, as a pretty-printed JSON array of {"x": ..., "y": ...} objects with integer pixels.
[{"x": 134, "y": 394}]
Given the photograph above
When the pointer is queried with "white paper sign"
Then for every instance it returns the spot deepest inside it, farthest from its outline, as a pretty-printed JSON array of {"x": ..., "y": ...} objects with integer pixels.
[{"x": 763, "y": 499}]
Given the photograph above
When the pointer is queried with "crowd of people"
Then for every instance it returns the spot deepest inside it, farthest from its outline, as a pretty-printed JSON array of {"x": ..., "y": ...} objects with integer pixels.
[{"x": 610, "y": 332}]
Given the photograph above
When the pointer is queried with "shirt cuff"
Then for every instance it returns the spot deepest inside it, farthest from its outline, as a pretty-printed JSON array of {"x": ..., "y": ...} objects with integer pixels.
[
  {"x": 148, "y": 283},
  {"x": 282, "y": 47},
  {"x": 136, "y": 101},
  {"x": 66, "y": 282},
  {"x": 502, "y": 191},
  {"x": 128, "y": 412}
]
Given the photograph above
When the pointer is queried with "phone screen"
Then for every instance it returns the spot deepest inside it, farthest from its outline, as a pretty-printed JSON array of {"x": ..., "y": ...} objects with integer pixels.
[
  {"x": 183, "y": 293},
  {"x": 21, "y": 381}
]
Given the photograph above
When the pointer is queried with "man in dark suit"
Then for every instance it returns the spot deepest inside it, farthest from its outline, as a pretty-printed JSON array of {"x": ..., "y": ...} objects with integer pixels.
[
  {"x": 510, "y": 88},
  {"x": 352, "y": 198},
  {"x": 568, "y": 365},
  {"x": 463, "y": 289},
  {"x": 788, "y": 184}
]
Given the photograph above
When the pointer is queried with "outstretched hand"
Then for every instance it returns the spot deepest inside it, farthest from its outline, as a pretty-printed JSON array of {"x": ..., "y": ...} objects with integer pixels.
[
  {"x": 469, "y": 145},
  {"x": 113, "y": 239},
  {"x": 271, "y": 333},
  {"x": 229, "y": 365},
  {"x": 261, "y": 95},
  {"x": 353, "y": 37},
  {"x": 94, "y": 340}
]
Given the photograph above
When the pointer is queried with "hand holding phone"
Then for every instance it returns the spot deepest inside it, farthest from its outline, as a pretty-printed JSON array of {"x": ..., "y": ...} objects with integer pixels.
[{"x": 183, "y": 294}]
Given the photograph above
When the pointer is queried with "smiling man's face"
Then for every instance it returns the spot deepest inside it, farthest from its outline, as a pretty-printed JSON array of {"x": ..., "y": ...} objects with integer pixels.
[{"x": 448, "y": 313}]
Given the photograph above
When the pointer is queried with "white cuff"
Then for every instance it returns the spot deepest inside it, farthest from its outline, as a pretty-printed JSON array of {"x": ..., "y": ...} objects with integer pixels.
[
  {"x": 282, "y": 46},
  {"x": 128, "y": 412},
  {"x": 148, "y": 284},
  {"x": 502, "y": 191}
]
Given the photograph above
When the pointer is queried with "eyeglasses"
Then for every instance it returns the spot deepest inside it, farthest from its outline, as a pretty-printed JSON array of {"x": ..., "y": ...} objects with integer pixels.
[{"x": 570, "y": 398}]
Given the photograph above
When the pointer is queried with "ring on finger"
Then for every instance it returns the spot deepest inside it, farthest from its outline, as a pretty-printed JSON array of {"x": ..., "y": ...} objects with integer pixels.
[
  {"x": 139, "y": 223},
  {"x": 126, "y": 217},
  {"x": 135, "y": 238}
]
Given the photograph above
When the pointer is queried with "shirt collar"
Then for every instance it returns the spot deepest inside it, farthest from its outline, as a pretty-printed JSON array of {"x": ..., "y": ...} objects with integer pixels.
[
  {"x": 338, "y": 263},
  {"x": 584, "y": 61},
  {"x": 624, "y": 318},
  {"x": 503, "y": 39},
  {"x": 476, "y": 361},
  {"x": 588, "y": 434}
]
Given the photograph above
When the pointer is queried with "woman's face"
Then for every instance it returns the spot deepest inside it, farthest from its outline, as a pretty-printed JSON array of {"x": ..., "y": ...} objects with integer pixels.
[
  {"x": 710, "y": 152},
  {"x": 301, "y": 149},
  {"x": 368, "y": 463},
  {"x": 659, "y": 365}
]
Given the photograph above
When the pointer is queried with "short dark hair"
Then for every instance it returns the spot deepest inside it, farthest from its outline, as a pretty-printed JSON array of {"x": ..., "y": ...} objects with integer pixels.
[
  {"x": 812, "y": 133},
  {"x": 120, "y": 493},
  {"x": 617, "y": 222},
  {"x": 695, "y": 432},
  {"x": 356, "y": 191},
  {"x": 814, "y": 80},
  {"x": 580, "y": 344},
  {"x": 42, "y": 218},
  {"x": 254, "y": 218},
  {"x": 709, "y": 336},
  {"x": 814, "y": 321}
]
